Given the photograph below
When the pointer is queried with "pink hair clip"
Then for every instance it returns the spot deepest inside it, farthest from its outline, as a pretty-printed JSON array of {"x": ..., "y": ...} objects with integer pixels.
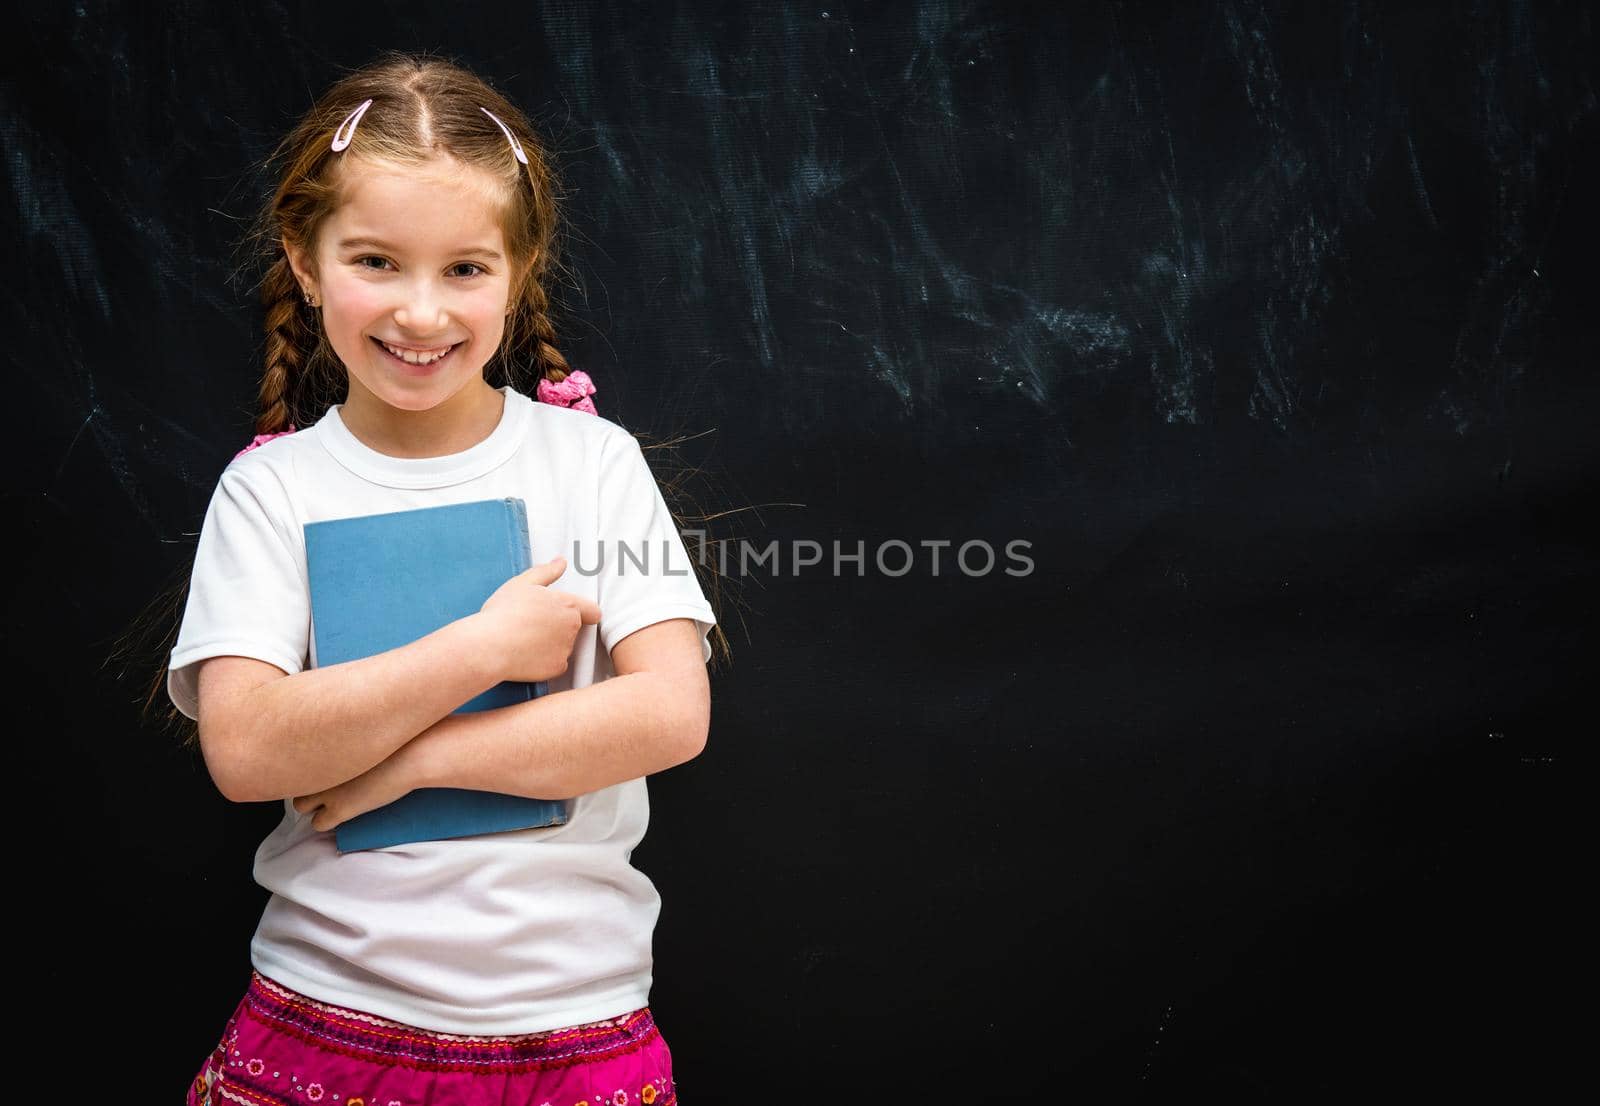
[
  {"x": 347, "y": 129},
  {"x": 262, "y": 439},
  {"x": 573, "y": 392},
  {"x": 516, "y": 147}
]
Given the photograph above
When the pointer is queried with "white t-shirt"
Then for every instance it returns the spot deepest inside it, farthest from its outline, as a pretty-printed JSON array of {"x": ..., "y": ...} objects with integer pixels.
[{"x": 500, "y": 933}]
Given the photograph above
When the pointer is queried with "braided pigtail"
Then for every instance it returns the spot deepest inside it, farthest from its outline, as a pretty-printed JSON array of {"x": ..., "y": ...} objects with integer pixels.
[
  {"x": 530, "y": 331},
  {"x": 552, "y": 364},
  {"x": 291, "y": 337}
]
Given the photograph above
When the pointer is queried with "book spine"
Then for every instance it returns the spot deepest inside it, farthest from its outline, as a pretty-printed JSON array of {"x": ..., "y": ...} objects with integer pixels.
[
  {"x": 522, "y": 560},
  {"x": 517, "y": 519}
]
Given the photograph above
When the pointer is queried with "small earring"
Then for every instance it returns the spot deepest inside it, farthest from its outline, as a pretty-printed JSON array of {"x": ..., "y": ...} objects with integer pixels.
[{"x": 310, "y": 300}]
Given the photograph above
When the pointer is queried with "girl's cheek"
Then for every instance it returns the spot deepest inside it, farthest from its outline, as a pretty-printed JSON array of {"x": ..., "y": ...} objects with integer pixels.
[{"x": 359, "y": 299}]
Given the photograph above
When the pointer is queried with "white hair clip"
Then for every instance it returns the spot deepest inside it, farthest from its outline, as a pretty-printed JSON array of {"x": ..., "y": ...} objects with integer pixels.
[
  {"x": 516, "y": 147},
  {"x": 350, "y": 122},
  {"x": 347, "y": 130}
]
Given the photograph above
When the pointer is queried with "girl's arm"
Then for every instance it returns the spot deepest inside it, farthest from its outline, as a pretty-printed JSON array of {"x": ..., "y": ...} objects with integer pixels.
[
  {"x": 270, "y": 736},
  {"x": 653, "y": 714}
]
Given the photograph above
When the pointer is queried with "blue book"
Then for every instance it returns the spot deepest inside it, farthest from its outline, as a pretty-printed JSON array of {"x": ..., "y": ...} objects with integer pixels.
[{"x": 382, "y": 581}]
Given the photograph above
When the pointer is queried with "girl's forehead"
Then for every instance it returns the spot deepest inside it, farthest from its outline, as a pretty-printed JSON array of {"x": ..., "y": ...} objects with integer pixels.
[{"x": 438, "y": 201}]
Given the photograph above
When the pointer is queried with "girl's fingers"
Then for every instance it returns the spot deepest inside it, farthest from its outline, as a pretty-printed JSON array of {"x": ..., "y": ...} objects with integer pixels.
[
  {"x": 548, "y": 573},
  {"x": 588, "y": 609}
]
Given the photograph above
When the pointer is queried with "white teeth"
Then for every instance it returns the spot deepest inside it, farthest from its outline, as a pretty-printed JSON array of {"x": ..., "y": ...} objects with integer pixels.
[{"x": 418, "y": 357}]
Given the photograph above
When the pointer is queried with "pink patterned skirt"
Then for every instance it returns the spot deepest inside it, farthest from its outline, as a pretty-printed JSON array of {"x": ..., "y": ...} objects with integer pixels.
[{"x": 282, "y": 1047}]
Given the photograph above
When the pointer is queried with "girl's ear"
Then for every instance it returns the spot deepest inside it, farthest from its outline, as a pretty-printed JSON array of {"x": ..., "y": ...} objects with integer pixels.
[
  {"x": 297, "y": 264},
  {"x": 519, "y": 281}
]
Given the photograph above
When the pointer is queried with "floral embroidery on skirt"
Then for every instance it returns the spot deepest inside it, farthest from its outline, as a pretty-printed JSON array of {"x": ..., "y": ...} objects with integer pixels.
[{"x": 282, "y": 1048}]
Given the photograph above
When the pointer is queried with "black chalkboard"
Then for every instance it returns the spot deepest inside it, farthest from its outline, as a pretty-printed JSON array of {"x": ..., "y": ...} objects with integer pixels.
[{"x": 1260, "y": 325}]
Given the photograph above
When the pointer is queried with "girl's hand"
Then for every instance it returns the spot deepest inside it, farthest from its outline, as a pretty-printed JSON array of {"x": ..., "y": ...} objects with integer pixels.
[
  {"x": 532, "y": 628},
  {"x": 378, "y": 786}
]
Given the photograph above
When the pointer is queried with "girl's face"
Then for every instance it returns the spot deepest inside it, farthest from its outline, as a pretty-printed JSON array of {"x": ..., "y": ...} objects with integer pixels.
[{"x": 413, "y": 260}]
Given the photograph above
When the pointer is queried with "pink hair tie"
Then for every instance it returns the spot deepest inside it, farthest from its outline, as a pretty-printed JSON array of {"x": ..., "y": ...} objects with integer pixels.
[
  {"x": 573, "y": 392},
  {"x": 262, "y": 439}
]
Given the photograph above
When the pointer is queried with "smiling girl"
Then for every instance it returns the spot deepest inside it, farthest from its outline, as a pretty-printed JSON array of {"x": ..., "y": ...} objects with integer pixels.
[{"x": 412, "y": 234}]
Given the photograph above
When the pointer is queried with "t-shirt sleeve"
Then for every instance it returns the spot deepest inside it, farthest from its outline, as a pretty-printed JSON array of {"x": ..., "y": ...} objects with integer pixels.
[
  {"x": 646, "y": 574},
  {"x": 248, "y": 594}
]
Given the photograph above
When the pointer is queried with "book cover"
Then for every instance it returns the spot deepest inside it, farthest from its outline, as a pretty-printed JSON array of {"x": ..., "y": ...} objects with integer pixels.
[{"x": 382, "y": 581}]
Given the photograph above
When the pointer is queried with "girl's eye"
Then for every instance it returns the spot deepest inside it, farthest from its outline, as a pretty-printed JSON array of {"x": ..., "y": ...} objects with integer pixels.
[{"x": 477, "y": 269}]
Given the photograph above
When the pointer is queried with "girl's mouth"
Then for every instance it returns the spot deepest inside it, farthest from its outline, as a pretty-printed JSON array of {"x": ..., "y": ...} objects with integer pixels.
[{"x": 411, "y": 367}]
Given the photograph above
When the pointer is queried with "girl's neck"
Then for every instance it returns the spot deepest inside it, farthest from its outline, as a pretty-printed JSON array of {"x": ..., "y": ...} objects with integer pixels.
[{"x": 454, "y": 426}]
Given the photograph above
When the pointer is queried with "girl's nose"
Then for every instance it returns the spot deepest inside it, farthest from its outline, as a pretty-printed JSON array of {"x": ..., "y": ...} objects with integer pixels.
[{"x": 422, "y": 312}]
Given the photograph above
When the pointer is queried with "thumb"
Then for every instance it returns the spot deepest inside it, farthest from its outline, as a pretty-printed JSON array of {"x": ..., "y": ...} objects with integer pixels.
[{"x": 547, "y": 573}]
